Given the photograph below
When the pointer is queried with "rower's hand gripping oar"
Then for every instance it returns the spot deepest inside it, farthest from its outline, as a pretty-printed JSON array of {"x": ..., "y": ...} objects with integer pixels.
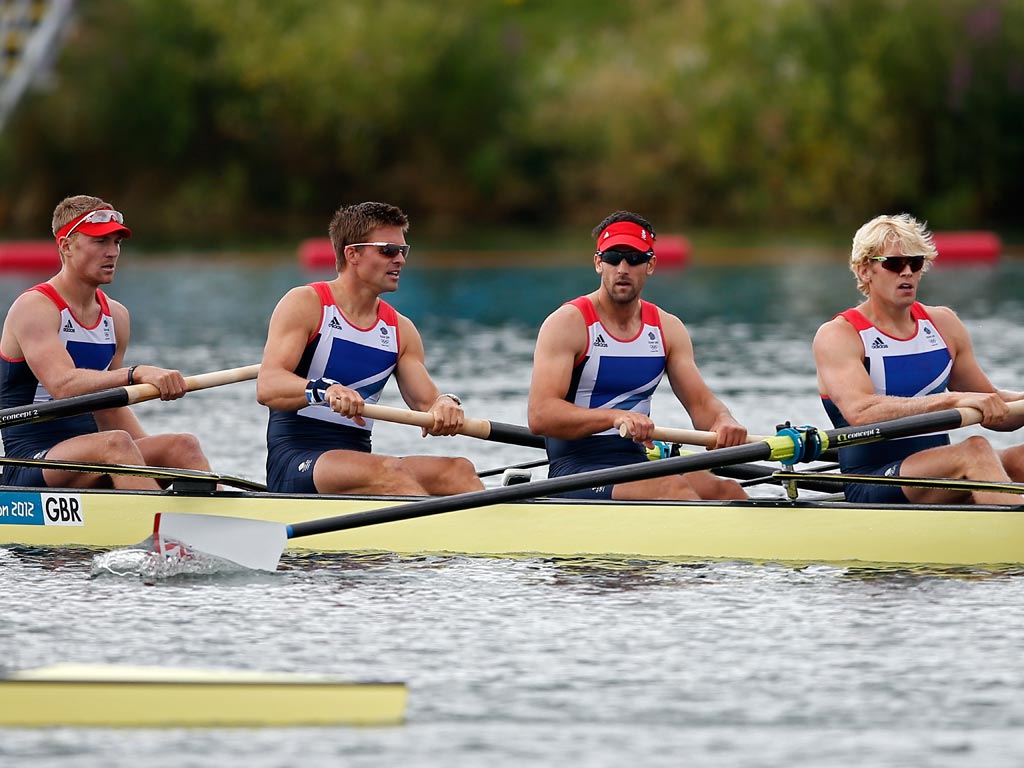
[
  {"x": 688, "y": 436},
  {"x": 259, "y": 544},
  {"x": 117, "y": 397},
  {"x": 698, "y": 437},
  {"x": 480, "y": 428},
  {"x": 513, "y": 434}
]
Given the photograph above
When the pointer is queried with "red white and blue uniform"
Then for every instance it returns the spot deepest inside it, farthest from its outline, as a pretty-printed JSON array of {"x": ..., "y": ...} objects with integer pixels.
[
  {"x": 90, "y": 347},
  {"x": 360, "y": 358},
  {"x": 611, "y": 373},
  {"x": 913, "y": 367}
]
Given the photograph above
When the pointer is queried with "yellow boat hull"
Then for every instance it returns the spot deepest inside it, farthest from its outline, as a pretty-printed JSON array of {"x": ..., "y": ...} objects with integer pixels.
[
  {"x": 114, "y": 696},
  {"x": 766, "y": 530}
]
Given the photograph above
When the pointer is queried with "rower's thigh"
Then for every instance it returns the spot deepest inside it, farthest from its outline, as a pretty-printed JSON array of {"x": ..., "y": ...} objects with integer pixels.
[
  {"x": 181, "y": 450},
  {"x": 974, "y": 457},
  {"x": 344, "y": 471},
  {"x": 107, "y": 447},
  {"x": 442, "y": 475},
  {"x": 113, "y": 446}
]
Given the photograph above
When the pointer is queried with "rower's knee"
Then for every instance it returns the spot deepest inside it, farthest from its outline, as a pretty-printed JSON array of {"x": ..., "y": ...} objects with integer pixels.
[
  {"x": 465, "y": 475},
  {"x": 1013, "y": 463},
  {"x": 728, "y": 490},
  {"x": 186, "y": 451},
  {"x": 117, "y": 447},
  {"x": 979, "y": 451}
]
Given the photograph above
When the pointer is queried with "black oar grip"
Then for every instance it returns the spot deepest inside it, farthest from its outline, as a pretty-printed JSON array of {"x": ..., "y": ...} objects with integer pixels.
[
  {"x": 514, "y": 435},
  {"x": 69, "y": 406}
]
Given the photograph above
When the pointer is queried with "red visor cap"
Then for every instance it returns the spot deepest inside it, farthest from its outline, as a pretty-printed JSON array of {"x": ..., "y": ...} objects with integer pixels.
[
  {"x": 625, "y": 233},
  {"x": 93, "y": 229}
]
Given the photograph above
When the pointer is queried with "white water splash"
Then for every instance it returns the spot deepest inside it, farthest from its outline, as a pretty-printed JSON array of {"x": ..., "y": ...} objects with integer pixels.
[{"x": 149, "y": 565}]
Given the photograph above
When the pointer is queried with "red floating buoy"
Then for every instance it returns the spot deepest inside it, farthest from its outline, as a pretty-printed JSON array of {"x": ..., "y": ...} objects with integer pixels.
[
  {"x": 672, "y": 251},
  {"x": 29, "y": 256},
  {"x": 317, "y": 253},
  {"x": 967, "y": 248}
]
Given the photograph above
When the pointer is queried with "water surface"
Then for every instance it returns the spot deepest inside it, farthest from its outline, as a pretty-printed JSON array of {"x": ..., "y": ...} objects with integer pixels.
[{"x": 539, "y": 661}]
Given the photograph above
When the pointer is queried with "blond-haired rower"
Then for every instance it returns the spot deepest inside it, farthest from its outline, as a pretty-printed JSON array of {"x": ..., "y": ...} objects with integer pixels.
[{"x": 891, "y": 357}]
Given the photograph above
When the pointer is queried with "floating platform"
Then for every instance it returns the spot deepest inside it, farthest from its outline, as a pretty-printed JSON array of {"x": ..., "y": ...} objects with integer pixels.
[
  {"x": 317, "y": 253},
  {"x": 145, "y": 697},
  {"x": 967, "y": 248},
  {"x": 29, "y": 256}
]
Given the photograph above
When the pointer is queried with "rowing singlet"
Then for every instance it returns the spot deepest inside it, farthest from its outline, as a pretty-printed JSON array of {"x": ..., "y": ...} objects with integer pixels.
[
  {"x": 913, "y": 367},
  {"x": 90, "y": 347},
  {"x": 612, "y": 373},
  {"x": 360, "y": 358}
]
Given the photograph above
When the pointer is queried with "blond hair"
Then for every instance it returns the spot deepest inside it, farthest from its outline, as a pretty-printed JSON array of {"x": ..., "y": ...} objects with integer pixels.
[
  {"x": 72, "y": 207},
  {"x": 909, "y": 236}
]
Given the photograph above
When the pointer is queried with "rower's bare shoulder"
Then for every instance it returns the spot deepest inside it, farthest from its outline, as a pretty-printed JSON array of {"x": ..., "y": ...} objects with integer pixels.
[
  {"x": 942, "y": 315},
  {"x": 299, "y": 300},
  {"x": 32, "y": 308},
  {"x": 837, "y": 332},
  {"x": 566, "y": 318}
]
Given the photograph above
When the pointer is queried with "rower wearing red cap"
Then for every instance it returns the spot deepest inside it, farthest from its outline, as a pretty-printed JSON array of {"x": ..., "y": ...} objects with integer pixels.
[
  {"x": 65, "y": 337},
  {"x": 597, "y": 363}
]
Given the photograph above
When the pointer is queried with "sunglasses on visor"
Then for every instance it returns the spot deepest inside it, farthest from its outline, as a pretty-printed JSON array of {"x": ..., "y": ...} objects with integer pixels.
[
  {"x": 102, "y": 216},
  {"x": 387, "y": 249},
  {"x": 898, "y": 263},
  {"x": 632, "y": 257}
]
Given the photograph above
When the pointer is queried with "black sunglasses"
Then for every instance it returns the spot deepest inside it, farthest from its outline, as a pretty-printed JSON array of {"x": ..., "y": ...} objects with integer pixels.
[
  {"x": 898, "y": 263},
  {"x": 632, "y": 257},
  {"x": 387, "y": 249}
]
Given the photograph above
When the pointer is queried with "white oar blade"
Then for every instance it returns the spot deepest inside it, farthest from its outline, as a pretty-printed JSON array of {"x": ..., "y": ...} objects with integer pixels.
[{"x": 256, "y": 544}]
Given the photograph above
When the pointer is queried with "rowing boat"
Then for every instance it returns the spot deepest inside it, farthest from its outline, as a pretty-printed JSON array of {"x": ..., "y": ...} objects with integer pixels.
[
  {"x": 125, "y": 696},
  {"x": 811, "y": 530}
]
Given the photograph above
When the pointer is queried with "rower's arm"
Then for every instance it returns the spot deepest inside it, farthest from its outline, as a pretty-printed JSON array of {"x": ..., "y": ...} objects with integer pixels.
[
  {"x": 967, "y": 376},
  {"x": 417, "y": 387},
  {"x": 32, "y": 332},
  {"x": 292, "y": 325},
  {"x": 706, "y": 411},
  {"x": 561, "y": 340},
  {"x": 839, "y": 357}
]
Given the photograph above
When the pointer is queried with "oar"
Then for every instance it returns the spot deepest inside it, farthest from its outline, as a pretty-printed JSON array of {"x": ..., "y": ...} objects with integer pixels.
[
  {"x": 807, "y": 480},
  {"x": 479, "y": 428},
  {"x": 517, "y": 435},
  {"x": 688, "y": 436},
  {"x": 117, "y": 397},
  {"x": 259, "y": 544},
  {"x": 700, "y": 437},
  {"x": 179, "y": 476}
]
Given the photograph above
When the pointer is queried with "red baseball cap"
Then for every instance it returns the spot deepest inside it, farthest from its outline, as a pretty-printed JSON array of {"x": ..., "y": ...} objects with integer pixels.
[
  {"x": 96, "y": 223},
  {"x": 625, "y": 233}
]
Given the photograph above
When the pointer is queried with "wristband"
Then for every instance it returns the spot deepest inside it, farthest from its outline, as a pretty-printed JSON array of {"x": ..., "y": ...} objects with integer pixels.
[
  {"x": 131, "y": 375},
  {"x": 316, "y": 390},
  {"x": 454, "y": 398}
]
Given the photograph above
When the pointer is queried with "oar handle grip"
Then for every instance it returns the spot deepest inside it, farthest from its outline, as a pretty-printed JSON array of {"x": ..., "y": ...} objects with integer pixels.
[
  {"x": 687, "y": 436},
  {"x": 479, "y": 428},
  {"x": 138, "y": 393}
]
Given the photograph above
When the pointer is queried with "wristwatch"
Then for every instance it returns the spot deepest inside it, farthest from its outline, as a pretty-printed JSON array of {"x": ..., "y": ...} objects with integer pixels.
[{"x": 454, "y": 398}]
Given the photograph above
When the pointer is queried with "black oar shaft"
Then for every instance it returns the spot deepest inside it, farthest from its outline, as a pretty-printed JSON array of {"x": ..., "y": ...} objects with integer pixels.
[
  {"x": 593, "y": 479},
  {"x": 116, "y": 397},
  {"x": 780, "y": 448},
  {"x": 69, "y": 406},
  {"x": 514, "y": 435}
]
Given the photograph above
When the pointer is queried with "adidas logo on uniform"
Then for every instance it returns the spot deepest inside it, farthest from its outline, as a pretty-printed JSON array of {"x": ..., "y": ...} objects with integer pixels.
[
  {"x": 600, "y": 342},
  {"x": 335, "y": 324},
  {"x": 68, "y": 327},
  {"x": 879, "y": 344}
]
